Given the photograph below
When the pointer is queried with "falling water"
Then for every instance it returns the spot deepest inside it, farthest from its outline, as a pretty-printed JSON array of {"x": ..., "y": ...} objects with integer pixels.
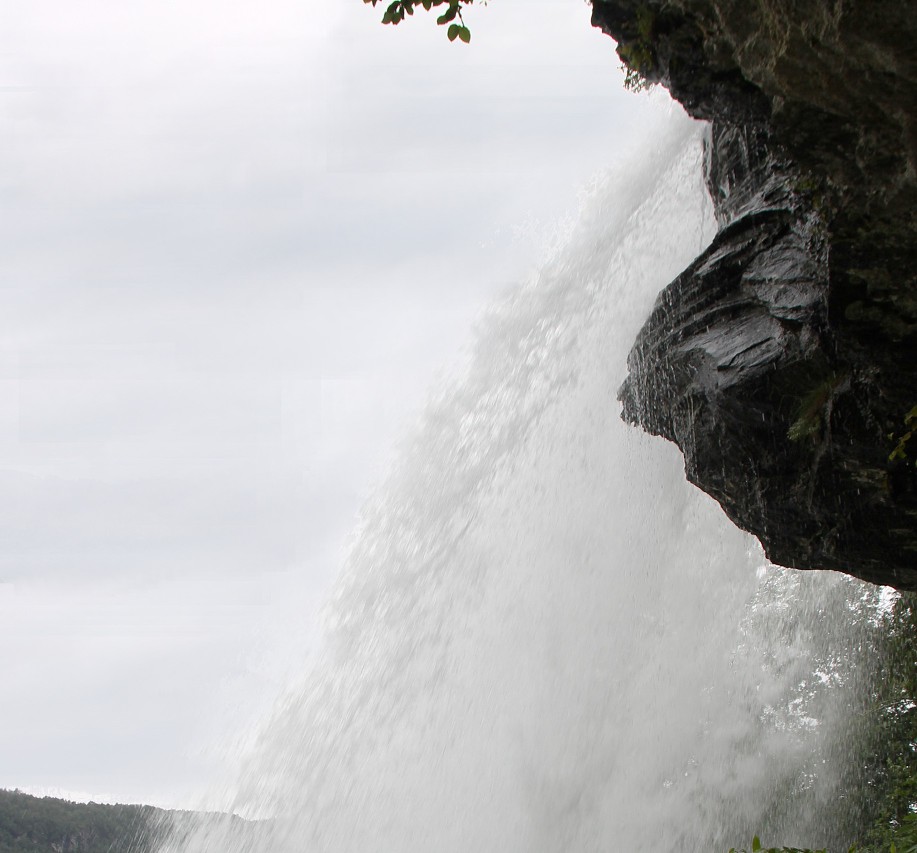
[{"x": 544, "y": 639}]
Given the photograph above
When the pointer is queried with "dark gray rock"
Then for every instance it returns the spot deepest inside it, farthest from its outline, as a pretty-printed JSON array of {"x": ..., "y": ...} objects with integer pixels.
[{"x": 784, "y": 359}]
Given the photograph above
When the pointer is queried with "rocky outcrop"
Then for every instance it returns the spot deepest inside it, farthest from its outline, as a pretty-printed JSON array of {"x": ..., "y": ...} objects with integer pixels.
[{"x": 784, "y": 360}]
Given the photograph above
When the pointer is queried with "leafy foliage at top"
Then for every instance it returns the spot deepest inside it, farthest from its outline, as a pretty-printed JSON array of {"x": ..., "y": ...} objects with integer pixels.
[{"x": 396, "y": 11}]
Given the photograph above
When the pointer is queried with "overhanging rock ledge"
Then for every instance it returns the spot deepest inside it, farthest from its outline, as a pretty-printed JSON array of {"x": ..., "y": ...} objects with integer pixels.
[{"x": 783, "y": 361}]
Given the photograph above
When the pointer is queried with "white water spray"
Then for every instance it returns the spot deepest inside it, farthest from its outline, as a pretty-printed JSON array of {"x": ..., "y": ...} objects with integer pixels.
[{"x": 545, "y": 640}]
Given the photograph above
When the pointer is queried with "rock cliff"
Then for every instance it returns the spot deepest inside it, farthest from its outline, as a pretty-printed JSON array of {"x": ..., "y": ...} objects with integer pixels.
[{"x": 783, "y": 361}]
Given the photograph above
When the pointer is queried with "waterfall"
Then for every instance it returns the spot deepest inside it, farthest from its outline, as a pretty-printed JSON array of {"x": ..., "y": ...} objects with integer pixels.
[{"x": 544, "y": 639}]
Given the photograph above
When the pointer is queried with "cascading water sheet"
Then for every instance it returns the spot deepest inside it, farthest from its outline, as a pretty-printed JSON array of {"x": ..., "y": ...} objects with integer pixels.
[{"x": 544, "y": 639}]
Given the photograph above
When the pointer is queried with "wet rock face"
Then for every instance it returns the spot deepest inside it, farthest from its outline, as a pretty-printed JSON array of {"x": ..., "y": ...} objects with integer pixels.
[{"x": 784, "y": 359}]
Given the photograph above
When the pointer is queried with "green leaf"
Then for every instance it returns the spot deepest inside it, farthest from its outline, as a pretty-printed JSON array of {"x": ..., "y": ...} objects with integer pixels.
[
  {"x": 755, "y": 844},
  {"x": 465, "y": 34},
  {"x": 448, "y": 15},
  {"x": 453, "y": 31}
]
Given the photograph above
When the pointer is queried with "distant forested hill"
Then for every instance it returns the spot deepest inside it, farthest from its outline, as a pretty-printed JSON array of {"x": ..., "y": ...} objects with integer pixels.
[{"x": 46, "y": 825}]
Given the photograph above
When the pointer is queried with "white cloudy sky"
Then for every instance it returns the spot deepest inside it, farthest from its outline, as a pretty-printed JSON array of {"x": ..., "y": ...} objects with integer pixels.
[{"x": 238, "y": 240}]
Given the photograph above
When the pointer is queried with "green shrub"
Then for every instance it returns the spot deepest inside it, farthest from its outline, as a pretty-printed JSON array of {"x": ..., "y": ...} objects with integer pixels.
[
  {"x": 757, "y": 848},
  {"x": 900, "y": 451},
  {"x": 638, "y": 54}
]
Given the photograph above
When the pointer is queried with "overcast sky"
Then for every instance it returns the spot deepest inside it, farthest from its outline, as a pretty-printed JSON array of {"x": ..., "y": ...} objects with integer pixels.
[{"x": 239, "y": 241}]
